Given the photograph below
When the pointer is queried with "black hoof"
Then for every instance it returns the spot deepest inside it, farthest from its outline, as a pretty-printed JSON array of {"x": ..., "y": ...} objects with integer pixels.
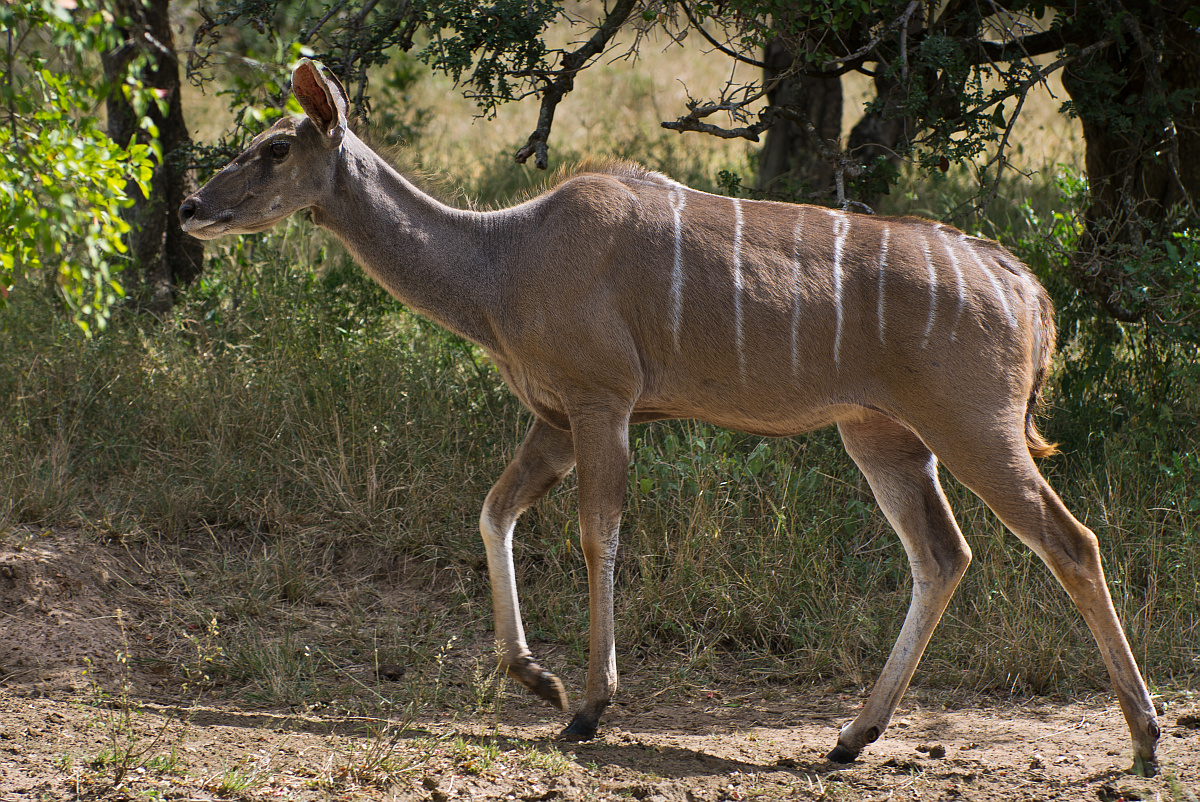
[
  {"x": 581, "y": 728},
  {"x": 843, "y": 754}
]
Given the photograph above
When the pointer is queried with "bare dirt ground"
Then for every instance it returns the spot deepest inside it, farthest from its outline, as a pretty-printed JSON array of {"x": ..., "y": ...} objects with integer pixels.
[{"x": 69, "y": 731}]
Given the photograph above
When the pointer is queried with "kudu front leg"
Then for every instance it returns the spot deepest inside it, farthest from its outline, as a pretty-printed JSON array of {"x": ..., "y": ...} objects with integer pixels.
[
  {"x": 544, "y": 458},
  {"x": 902, "y": 474},
  {"x": 602, "y": 451}
]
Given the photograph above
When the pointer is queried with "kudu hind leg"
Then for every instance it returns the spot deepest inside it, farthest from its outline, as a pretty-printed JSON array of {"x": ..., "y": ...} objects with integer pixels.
[
  {"x": 543, "y": 459},
  {"x": 1031, "y": 509},
  {"x": 902, "y": 474},
  {"x": 602, "y": 448}
]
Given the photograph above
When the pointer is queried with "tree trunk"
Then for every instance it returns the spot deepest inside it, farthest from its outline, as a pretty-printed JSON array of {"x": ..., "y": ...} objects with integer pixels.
[
  {"x": 166, "y": 258},
  {"x": 880, "y": 134},
  {"x": 793, "y": 164},
  {"x": 790, "y": 161},
  {"x": 1137, "y": 101}
]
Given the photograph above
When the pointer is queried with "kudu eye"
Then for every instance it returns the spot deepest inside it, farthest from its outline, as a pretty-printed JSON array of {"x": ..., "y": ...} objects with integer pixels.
[{"x": 279, "y": 150}]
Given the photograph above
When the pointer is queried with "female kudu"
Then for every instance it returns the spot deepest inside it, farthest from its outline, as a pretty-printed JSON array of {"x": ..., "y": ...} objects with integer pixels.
[{"x": 621, "y": 296}]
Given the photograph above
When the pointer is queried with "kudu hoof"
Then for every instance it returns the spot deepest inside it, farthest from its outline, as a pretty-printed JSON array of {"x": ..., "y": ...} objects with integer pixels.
[
  {"x": 581, "y": 728},
  {"x": 843, "y": 754},
  {"x": 541, "y": 683}
]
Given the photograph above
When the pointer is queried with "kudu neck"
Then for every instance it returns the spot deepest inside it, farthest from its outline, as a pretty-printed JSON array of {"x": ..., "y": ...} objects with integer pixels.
[{"x": 432, "y": 257}]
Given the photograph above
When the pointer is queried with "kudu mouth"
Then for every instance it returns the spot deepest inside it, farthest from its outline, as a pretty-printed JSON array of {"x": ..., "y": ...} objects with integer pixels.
[{"x": 194, "y": 220}]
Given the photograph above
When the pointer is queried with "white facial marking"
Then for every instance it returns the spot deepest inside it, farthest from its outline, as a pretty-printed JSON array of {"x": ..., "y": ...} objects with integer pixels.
[
  {"x": 295, "y": 173},
  {"x": 841, "y": 227},
  {"x": 960, "y": 282},
  {"x": 995, "y": 282},
  {"x": 276, "y": 202},
  {"x": 932, "y": 290},
  {"x": 796, "y": 298},
  {"x": 883, "y": 253},
  {"x": 677, "y": 200},
  {"x": 737, "y": 288}
]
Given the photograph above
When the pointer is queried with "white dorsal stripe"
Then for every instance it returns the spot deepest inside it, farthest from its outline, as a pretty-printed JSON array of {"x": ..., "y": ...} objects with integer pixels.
[
  {"x": 883, "y": 254},
  {"x": 841, "y": 227},
  {"x": 737, "y": 288},
  {"x": 678, "y": 200},
  {"x": 932, "y": 290},
  {"x": 995, "y": 282},
  {"x": 1035, "y": 321},
  {"x": 961, "y": 284},
  {"x": 796, "y": 276}
]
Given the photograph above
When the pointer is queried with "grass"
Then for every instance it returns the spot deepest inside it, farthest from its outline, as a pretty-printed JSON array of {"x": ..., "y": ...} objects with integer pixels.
[
  {"x": 240, "y": 780},
  {"x": 290, "y": 436},
  {"x": 129, "y": 744}
]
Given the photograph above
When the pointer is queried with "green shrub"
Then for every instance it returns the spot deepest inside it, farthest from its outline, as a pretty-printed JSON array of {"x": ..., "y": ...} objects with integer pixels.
[{"x": 63, "y": 182}]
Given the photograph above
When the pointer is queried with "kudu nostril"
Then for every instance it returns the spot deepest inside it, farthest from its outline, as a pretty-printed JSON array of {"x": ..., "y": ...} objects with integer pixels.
[{"x": 187, "y": 210}]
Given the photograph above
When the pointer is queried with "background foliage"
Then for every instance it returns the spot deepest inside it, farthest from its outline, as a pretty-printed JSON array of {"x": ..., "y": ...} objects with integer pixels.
[
  {"x": 63, "y": 182},
  {"x": 288, "y": 423}
]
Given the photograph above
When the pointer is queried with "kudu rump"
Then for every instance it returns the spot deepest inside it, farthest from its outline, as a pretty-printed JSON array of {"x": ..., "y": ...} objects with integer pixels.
[{"x": 620, "y": 296}]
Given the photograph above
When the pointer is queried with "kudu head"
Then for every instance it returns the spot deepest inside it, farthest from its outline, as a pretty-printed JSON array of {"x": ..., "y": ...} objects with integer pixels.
[{"x": 286, "y": 168}]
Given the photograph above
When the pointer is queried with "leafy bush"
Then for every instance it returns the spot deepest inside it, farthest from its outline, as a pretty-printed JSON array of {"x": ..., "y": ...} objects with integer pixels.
[
  {"x": 63, "y": 182},
  {"x": 1114, "y": 374}
]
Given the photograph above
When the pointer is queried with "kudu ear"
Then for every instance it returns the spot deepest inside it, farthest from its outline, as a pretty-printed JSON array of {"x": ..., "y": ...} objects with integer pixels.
[{"x": 322, "y": 98}]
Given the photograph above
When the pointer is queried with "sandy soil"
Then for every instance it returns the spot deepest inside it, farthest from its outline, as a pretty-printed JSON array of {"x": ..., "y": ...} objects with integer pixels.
[{"x": 67, "y": 732}]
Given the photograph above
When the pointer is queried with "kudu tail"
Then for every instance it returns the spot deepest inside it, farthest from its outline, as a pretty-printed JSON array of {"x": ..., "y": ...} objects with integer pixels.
[{"x": 1047, "y": 337}]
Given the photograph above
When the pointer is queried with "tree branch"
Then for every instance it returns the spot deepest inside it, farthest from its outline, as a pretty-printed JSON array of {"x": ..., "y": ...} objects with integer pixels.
[
  {"x": 999, "y": 159},
  {"x": 829, "y": 68},
  {"x": 861, "y": 54},
  {"x": 306, "y": 35},
  {"x": 557, "y": 89},
  {"x": 732, "y": 54},
  {"x": 1040, "y": 75},
  {"x": 1037, "y": 44},
  {"x": 698, "y": 111}
]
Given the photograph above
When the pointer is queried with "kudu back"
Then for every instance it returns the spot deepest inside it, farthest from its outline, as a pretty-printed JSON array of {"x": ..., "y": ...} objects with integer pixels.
[{"x": 620, "y": 296}]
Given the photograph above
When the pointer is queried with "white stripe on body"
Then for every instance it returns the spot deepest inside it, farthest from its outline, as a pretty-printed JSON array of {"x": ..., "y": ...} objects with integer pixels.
[
  {"x": 1012, "y": 319},
  {"x": 796, "y": 274},
  {"x": 961, "y": 283},
  {"x": 677, "y": 200},
  {"x": 1035, "y": 320},
  {"x": 883, "y": 254},
  {"x": 841, "y": 227},
  {"x": 932, "y": 290},
  {"x": 1026, "y": 292},
  {"x": 737, "y": 288}
]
